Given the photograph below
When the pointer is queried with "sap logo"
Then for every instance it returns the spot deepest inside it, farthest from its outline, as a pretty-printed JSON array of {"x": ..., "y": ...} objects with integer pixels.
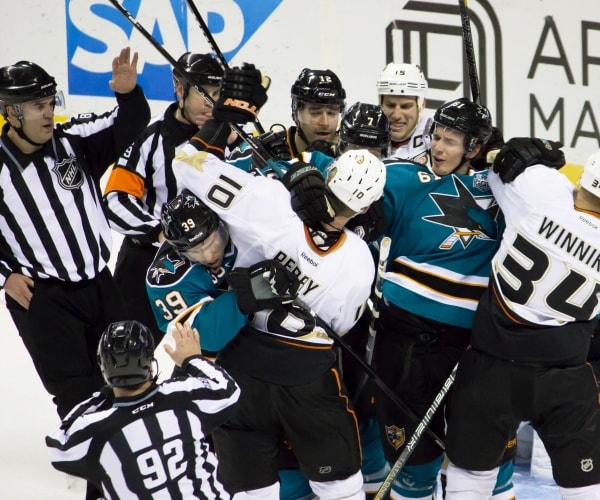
[{"x": 97, "y": 31}]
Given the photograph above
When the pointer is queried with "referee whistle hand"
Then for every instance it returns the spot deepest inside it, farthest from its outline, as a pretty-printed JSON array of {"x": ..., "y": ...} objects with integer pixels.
[
  {"x": 187, "y": 343},
  {"x": 20, "y": 288}
]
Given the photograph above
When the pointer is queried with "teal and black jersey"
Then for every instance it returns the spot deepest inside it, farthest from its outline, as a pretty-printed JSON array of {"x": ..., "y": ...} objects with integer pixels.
[
  {"x": 181, "y": 290},
  {"x": 444, "y": 234}
]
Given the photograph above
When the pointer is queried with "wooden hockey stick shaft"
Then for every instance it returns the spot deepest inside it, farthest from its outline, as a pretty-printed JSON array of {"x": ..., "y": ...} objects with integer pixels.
[
  {"x": 469, "y": 50},
  {"x": 376, "y": 378},
  {"x": 215, "y": 48},
  {"x": 415, "y": 438},
  {"x": 236, "y": 128},
  {"x": 384, "y": 252}
]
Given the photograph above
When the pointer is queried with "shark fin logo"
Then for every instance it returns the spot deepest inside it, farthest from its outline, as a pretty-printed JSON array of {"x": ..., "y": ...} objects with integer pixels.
[
  {"x": 97, "y": 31},
  {"x": 468, "y": 216}
]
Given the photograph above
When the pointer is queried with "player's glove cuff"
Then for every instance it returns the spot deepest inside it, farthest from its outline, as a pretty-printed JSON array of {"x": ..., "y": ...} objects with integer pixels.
[
  {"x": 309, "y": 194},
  {"x": 522, "y": 152},
  {"x": 212, "y": 138}
]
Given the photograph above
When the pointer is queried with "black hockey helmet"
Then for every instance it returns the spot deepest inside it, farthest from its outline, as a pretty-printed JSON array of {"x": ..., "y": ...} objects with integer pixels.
[
  {"x": 186, "y": 221},
  {"x": 319, "y": 87},
  {"x": 25, "y": 81},
  {"x": 126, "y": 353},
  {"x": 365, "y": 125},
  {"x": 468, "y": 117},
  {"x": 203, "y": 69}
]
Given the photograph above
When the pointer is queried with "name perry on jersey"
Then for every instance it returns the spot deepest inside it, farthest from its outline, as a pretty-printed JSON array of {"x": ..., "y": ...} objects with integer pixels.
[{"x": 292, "y": 266}]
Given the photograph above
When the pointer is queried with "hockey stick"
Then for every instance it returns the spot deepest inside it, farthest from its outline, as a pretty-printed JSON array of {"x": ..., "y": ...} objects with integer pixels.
[
  {"x": 215, "y": 48},
  {"x": 415, "y": 438},
  {"x": 384, "y": 252},
  {"x": 376, "y": 378},
  {"x": 264, "y": 155},
  {"x": 469, "y": 50}
]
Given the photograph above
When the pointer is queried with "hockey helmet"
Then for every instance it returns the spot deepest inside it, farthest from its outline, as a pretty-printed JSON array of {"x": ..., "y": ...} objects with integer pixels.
[
  {"x": 356, "y": 178},
  {"x": 25, "y": 81},
  {"x": 203, "y": 69},
  {"x": 468, "y": 117},
  {"x": 404, "y": 80},
  {"x": 187, "y": 221},
  {"x": 590, "y": 178},
  {"x": 365, "y": 125},
  {"x": 319, "y": 87},
  {"x": 126, "y": 353}
]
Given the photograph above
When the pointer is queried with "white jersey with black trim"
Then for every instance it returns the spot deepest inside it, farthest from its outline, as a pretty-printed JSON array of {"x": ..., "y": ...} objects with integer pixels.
[
  {"x": 263, "y": 225},
  {"x": 547, "y": 269},
  {"x": 416, "y": 148}
]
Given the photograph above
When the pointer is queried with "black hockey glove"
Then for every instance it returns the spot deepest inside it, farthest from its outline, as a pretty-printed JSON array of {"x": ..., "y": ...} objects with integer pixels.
[
  {"x": 370, "y": 225},
  {"x": 309, "y": 194},
  {"x": 327, "y": 148},
  {"x": 522, "y": 152},
  {"x": 242, "y": 95},
  {"x": 273, "y": 145},
  {"x": 102, "y": 399},
  {"x": 265, "y": 285}
]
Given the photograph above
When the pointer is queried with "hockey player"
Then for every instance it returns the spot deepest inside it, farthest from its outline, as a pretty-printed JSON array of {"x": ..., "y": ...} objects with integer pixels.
[
  {"x": 283, "y": 360},
  {"x": 402, "y": 89},
  {"x": 186, "y": 280},
  {"x": 139, "y": 439},
  {"x": 532, "y": 333},
  {"x": 142, "y": 181},
  {"x": 318, "y": 100}
]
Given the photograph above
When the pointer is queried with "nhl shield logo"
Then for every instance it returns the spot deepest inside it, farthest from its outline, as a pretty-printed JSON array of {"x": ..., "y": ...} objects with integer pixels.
[
  {"x": 587, "y": 465},
  {"x": 395, "y": 436},
  {"x": 69, "y": 174}
]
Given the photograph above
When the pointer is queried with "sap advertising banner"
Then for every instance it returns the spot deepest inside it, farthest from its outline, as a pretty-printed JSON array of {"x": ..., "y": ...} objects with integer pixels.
[{"x": 538, "y": 61}]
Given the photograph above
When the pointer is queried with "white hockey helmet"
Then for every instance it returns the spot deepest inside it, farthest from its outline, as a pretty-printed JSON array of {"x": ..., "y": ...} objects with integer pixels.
[
  {"x": 356, "y": 178},
  {"x": 590, "y": 178},
  {"x": 403, "y": 79}
]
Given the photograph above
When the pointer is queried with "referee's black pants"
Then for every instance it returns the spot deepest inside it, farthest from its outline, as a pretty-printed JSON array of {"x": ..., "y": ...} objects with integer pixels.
[
  {"x": 131, "y": 268},
  {"x": 61, "y": 330}
]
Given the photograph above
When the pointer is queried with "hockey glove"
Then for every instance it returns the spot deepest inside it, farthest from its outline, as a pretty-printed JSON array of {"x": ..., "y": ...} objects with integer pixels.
[
  {"x": 273, "y": 145},
  {"x": 370, "y": 225},
  {"x": 521, "y": 152},
  {"x": 101, "y": 399},
  {"x": 265, "y": 285},
  {"x": 242, "y": 95},
  {"x": 309, "y": 194}
]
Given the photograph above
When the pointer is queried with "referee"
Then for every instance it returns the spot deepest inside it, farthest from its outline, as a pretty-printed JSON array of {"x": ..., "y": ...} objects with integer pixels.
[{"x": 55, "y": 241}]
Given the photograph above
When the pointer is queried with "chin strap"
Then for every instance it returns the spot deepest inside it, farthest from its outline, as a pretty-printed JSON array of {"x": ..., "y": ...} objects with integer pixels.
[{"x": 22, "y": 135}]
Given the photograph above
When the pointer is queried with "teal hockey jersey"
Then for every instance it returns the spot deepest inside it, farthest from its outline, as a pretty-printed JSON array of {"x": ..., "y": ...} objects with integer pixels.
[
  {"x": 444, "y": 234},
  {"x": 180, "y": 290}
]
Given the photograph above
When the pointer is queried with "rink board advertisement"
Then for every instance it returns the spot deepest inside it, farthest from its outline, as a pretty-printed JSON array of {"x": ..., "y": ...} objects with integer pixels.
[{"x": 538, "y": 61}]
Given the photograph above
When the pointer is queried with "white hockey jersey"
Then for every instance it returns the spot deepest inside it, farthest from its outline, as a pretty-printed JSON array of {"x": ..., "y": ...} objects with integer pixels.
[
  {"x": 547, "y": 268},
  {"x": 415, "y": 149},
  {"x": 262, "y": 224}
]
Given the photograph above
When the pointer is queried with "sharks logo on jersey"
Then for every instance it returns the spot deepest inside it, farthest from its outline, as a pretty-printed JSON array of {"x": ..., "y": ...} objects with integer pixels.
[
  {"x": 468, "y": 216},
  {"x": 167, "y": 266}
]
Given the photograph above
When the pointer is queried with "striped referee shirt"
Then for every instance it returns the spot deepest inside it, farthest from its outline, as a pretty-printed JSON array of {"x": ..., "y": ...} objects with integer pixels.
[
  {"x": 52, "y": 221},
  {"x": 142, "y": 181},
  {"x": 152, "y": 445}
]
